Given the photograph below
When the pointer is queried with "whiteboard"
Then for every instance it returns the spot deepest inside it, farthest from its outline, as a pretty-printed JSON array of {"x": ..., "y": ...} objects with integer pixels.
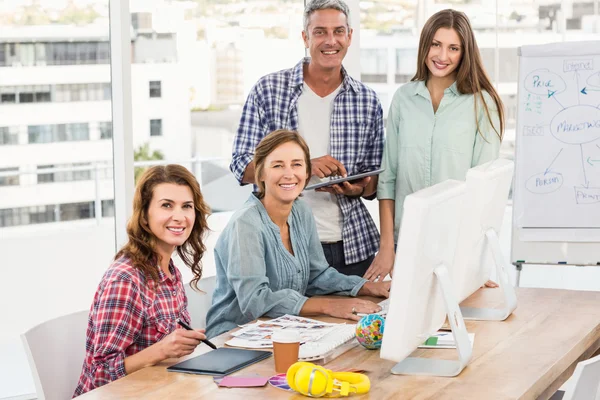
[{"x": 556, "y": 196}]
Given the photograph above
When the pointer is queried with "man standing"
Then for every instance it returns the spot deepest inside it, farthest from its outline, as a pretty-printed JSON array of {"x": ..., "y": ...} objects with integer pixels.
[{"x": 342, "y": 121}]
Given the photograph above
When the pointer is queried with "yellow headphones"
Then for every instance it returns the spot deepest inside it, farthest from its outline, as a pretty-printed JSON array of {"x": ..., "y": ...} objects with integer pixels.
[{"x": 315, "y": 381}]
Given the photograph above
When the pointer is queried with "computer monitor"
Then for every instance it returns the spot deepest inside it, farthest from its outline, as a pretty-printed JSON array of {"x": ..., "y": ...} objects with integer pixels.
[
  {"x": 478, "y": 252},
  {"x": 422, "y": 292}
]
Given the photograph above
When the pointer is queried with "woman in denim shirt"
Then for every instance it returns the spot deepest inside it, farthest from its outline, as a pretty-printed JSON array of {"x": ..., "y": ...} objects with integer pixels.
[{"x": 269, "y": 259}]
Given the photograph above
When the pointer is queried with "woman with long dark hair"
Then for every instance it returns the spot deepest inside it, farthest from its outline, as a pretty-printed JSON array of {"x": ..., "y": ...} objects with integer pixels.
[{"x": 448, "y": 119}]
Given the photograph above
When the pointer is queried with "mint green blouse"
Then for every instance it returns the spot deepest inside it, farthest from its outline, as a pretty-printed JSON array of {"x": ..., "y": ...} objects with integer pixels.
[{"x": 423, "y": 148}]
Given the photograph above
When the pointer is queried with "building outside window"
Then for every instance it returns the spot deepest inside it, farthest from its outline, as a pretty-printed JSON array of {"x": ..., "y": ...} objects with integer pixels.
[
  {"x": 155, "y": 89},
  {"x": 156, "y": 127}
]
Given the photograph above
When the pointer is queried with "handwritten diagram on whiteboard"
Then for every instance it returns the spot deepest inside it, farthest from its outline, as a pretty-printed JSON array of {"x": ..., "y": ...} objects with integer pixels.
[{"x": 558, "y": 142}]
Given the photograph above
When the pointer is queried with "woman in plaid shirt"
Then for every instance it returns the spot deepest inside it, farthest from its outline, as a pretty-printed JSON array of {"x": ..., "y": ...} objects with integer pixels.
[{"x": 132, "y": 321}]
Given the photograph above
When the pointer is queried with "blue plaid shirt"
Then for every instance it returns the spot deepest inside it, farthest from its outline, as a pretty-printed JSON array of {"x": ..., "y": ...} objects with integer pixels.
[{"x": 356, "y": 140}]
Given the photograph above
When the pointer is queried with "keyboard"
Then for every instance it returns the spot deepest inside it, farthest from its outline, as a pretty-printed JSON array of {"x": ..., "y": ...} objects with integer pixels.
[
  {"x": 330, "y": 346},
  {"x": 385, "y": 305}
]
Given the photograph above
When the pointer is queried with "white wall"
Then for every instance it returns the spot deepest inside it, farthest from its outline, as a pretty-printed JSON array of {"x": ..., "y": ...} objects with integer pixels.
[{"x": 47, "y": 273}]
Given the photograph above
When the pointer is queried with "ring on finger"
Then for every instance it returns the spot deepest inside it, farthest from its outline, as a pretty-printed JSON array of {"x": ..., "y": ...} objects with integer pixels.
[{"x": 353, "y": 310}]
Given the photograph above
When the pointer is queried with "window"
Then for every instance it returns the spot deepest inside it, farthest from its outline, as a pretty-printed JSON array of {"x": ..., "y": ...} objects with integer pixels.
[
  {"x": 40, "y": 133},
  {"x": 9, "y": 98},
  {"x": 78, "y": 132},
  {"x": 65, "y": 172},
  {"x": 83, "y": 174},
  {"x": 14, "y": 216},
  {"x": 42, "y": 97},
  {"x": 26, "y": 97},
  {"x": 9, "y": 180},
  {"x": 74, "y": 211},
  {"x": 108, "y": 208},
  {"x": 8, "y": 93},
  {"x": 105, "y": 129},
  {"x": 107, "y": 91},
  {"x": 9, "y": 135},
  {"x": 55, "y": 52},
  {"x": 406, "y": 65},
  {"x": 141, "y": 20},
  {"x": 373, "y": 64},
  {"x": 42, "y": 214},
  {"x": 45, "y": 177},
  {"x": 155, "y": 89},
  {"x": 156, "y": 127},
  {"x": 58, "y": 133}
]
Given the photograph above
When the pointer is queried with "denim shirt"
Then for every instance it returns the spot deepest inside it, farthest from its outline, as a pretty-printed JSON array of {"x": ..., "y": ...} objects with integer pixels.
[{"x": 257, "y": 275}]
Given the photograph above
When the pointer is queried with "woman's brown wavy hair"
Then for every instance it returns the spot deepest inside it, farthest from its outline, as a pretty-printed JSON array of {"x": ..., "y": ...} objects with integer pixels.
[
  {"x": 471, "y": 77},
  {"x": 141, "y": 244}
]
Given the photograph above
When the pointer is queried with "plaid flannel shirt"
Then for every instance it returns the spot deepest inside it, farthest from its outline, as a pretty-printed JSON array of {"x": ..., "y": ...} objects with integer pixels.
[
  {"x": 128, "y": 315},
  {"x": 356, "y": 140}
]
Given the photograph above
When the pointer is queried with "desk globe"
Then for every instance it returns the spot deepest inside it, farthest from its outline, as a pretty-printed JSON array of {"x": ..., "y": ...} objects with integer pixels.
[{"x": 369, "y": 331}]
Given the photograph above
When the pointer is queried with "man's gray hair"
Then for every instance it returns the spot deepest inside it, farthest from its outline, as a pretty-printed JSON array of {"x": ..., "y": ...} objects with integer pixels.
[{"x": 316, "y": 5}]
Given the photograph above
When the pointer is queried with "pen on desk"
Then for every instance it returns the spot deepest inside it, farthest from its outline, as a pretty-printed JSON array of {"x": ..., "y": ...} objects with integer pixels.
[{"x": 189, "y": 328}]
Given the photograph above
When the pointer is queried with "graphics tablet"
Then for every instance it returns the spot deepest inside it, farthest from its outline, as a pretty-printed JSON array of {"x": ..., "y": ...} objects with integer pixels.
[
  {"x": 222, "y": 361},
  {"x": 349, "y": 178}
]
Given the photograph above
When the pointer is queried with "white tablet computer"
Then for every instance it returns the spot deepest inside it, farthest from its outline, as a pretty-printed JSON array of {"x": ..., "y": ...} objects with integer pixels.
[{"x": 349, "y": 178}]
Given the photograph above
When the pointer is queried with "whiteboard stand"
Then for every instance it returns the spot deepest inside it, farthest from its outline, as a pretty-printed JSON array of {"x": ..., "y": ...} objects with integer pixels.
[
  {"x": 556, "y": 207},
  {"x": 509, "y": 295}
]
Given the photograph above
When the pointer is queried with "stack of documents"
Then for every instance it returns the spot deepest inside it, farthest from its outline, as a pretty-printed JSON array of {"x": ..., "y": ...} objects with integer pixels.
[{"x": 258, "y": 335}]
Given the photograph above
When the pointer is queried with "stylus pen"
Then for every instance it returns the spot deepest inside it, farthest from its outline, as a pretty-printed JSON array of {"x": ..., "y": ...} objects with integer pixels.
[{"x": 189, "y": 328}]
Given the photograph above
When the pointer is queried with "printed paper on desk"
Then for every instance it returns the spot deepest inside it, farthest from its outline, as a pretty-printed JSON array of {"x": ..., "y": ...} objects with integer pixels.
[
  {"x": 443, "y": 340},
  {"x": 258, "y": 335}
]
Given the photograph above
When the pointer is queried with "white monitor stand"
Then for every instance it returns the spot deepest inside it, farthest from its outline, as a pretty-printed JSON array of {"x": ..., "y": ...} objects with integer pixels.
[
  {"x": 437, "y": 367},
  {"x": 509, "y": 295}
]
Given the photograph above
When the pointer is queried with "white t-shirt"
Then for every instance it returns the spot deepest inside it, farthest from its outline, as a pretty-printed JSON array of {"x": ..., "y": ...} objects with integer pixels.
[{"x": 314, "y": 117}]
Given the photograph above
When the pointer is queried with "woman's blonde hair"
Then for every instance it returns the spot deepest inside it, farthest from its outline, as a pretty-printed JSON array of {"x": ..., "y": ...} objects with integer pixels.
[
  {"x": 141, "y": 245},
  {"x": 471, "y": 77},
  {"x": 267, "y": 145}
]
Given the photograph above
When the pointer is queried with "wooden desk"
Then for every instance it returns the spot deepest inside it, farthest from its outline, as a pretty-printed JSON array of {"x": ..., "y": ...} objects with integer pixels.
[{"x": 528, "y": 356}]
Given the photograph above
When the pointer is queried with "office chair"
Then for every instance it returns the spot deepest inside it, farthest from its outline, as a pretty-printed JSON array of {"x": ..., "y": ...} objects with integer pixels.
[
  {"x": 586, "y": 382},
  {"x": 200, "y": 302},
  {"x": 55, "y": 351}
]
